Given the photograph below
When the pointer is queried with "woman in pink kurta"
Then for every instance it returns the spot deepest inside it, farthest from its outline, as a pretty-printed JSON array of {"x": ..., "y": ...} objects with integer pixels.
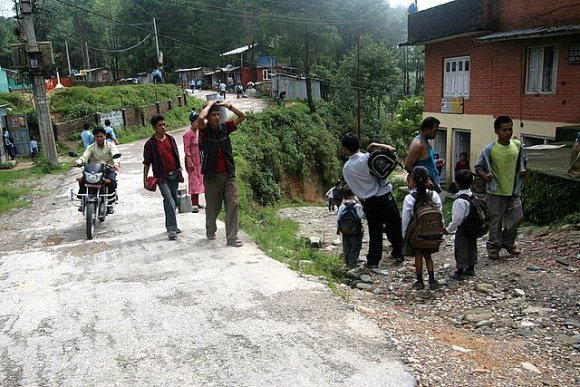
[{"x": 193, "y": 161}]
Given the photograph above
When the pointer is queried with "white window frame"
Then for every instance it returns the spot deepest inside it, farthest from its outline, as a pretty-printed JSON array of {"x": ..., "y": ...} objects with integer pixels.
[
  {"x": 536, "y": 71},
  {"x": 267, "y": 74},
  {"x": 456, "y": 78}
]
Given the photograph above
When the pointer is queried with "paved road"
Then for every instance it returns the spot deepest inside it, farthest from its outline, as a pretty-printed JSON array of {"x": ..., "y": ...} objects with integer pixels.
[{"x": 132, "y": 308}]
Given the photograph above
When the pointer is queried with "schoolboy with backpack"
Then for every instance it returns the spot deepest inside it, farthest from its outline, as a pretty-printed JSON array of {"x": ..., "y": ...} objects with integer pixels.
[
  {"x": 469, "y": 221},
  {"x": 349, "y": 225},
  {"x": 422, "y": 225}
]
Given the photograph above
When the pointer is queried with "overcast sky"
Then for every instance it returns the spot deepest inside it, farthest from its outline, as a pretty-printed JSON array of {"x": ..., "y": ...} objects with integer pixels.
[{"x": 422, "y": 4}]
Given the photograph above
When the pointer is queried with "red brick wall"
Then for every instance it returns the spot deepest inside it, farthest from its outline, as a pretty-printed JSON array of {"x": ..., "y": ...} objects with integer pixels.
[
  {"x": 479, "y": 101},
  {"x": 520, "y": 14},
  {"x": 497, "y": 79}
]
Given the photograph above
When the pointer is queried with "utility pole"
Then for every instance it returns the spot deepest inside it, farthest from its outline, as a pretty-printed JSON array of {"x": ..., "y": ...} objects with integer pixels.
[
  {"x": 68, "y": 58},
  {"x": 35, "y": 68},
  {"x": 156, "y": 41},
  {"x": 358, "y": 107},
  {"x": 88, "y": 59}
]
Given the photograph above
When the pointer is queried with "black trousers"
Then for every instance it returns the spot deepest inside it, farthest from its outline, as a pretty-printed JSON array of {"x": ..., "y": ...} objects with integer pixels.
[{"x": 382, "y": 215}]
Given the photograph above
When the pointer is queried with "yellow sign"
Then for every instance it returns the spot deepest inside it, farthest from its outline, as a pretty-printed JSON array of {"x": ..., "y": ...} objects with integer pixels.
[{"x": 452, "y": 105}]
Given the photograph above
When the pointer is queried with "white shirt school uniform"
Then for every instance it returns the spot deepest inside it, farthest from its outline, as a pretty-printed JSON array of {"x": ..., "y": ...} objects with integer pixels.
[
  {"x": 409, "y": 204},
  {"x": 459, "y": 211}
]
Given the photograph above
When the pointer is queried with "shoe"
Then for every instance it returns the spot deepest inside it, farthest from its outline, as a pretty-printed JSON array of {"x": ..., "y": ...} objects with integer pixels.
[
  {"x": 514, "y": 250},
  {"x": 200, "y": 206},
  {"x": 493, "y": 256},
  {"x": 81, "y": 209},
  {"x": 110, "y": 210},
  {"x": 459, "y": 275},
  {"x": 235, "y": 243},
  {"x": 371, "y": 266},
  {"x": 418, "y": 285},
  {"x": 211, "y": 237},
  {"x": 195, "y": 209},
  {"x": 172, "y": 235},
  {"x": 178, "y": 231},
  {"x": 434, "y": 285},
  {"x": 470, "y": 272}
]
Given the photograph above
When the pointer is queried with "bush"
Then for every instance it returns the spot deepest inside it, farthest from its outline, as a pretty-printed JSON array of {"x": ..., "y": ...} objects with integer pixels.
[
  {"x": 282, "y": 143},
  {"x": 548, "y": 199}
]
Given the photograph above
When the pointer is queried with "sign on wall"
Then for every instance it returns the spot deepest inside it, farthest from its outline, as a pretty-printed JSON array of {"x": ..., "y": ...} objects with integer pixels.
[
  {"x": 574, "y": 53},
  {"x": 452, "y": 105}
]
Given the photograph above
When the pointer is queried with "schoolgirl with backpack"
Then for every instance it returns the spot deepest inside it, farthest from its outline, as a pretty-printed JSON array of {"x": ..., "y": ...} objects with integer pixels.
[
  {"x": 422, "y": 225},
  {"x": 349, "y": 225}
]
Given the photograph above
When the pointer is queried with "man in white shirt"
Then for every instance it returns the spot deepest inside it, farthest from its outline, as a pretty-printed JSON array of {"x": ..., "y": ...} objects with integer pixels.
[
  {"x": 102, "y": 151},
  {"x": 379, "y": 205}
]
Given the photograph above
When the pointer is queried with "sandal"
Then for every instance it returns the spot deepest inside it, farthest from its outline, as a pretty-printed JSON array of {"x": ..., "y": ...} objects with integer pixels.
[{"x": 235, "y": 243}]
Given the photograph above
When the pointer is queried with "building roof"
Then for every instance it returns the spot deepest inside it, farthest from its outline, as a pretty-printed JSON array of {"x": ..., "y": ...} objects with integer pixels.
[
  {"x": 529, "y": 33},
  {"x": 222, "y": 70},
  {"x": 243, "y": 49},
  {"x": 188, "y": 70}
]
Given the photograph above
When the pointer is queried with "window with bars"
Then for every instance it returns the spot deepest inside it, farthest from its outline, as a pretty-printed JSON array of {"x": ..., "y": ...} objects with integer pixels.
[{"x": 456, "y": 77}]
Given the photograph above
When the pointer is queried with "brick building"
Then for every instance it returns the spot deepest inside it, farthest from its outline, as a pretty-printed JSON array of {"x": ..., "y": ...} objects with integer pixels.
[{"x": 485, "y": 58}]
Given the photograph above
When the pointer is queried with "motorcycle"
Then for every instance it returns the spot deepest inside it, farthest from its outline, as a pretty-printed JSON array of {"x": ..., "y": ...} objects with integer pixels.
[{"x": 95, "y": 201}]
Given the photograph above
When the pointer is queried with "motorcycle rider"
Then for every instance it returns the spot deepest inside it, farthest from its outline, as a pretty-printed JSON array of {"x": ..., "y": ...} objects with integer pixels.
[{"x": 101, "y": 151}]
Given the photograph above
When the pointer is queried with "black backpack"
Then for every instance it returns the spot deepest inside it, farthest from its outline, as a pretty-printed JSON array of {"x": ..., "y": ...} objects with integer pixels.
[
  {"x": 382, "y": 163},
  {"x": 426, "y": 227},
  {"x": 476, "y": 223},
  {"x": 349, "y": 223}
]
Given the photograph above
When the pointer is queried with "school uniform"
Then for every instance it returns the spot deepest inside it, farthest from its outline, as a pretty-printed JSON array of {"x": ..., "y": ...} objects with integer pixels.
[{"x": 465, "y": 245}]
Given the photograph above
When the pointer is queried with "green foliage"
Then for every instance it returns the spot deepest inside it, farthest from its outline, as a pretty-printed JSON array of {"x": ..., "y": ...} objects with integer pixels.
[
  {"x": 547, "y": 199},
  {"x": 283, "y": 143},
  {"x": 405, "y": 125},
  {"x": 78, "y": 101}
]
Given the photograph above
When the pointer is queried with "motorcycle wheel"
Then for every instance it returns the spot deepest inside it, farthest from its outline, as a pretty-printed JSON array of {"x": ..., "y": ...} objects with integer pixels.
[
  {"x": 102, "y": 212},
  {"x": 91, "y": 219}
]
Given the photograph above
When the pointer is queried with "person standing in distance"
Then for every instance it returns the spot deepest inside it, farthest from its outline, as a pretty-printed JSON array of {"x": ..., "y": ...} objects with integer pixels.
[
  {"x": 162, "y": 153},
  {"x": 219, "y": 170},
  {"x": 378, "y": 203},
  {"x": 421, "y": 153},
  {"x": 502, "y": 165}
]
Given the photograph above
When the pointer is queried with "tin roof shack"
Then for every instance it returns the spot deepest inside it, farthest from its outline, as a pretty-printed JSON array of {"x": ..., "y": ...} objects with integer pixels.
[
  {"x": 294, "y": 86},
  {"x": 186, "y": 75},
  {"x": 485, "y": 58},
  {"x": 95, "y": 75}
]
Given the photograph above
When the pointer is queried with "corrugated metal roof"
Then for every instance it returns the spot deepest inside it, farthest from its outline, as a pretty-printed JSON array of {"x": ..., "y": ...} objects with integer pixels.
[
  {"x": 529, "y": 33},
  {"x": 188, "y": 70}
]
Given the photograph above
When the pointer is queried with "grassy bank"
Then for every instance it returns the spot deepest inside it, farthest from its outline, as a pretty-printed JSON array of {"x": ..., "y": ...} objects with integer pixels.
[{"x": 17, "y": 185}]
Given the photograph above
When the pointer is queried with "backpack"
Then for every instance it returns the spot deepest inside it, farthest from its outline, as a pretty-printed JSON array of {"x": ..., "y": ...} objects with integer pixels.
[
  {"x": 349, "y": 223},
  {"x": 426, "y": 227},
  {"x": 476, "y": 223},
  {"x": 382, "y": 163}
]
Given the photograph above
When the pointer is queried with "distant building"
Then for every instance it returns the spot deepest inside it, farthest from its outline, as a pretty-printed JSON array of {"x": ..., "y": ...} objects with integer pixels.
[
  {"x": 485, "y": 58},
  {"x": 294, "y": 86},
  {"x": 98, "y": 74}
]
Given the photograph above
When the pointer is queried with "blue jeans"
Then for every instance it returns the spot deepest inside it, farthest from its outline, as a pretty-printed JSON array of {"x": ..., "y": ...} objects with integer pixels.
[{"x": 168, "y": 190}]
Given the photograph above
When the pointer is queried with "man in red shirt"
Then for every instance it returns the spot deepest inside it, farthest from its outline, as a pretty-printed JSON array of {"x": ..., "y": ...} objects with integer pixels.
[
  {"x": 161, "y": 152},
  {"x": 218, "y": 168}
]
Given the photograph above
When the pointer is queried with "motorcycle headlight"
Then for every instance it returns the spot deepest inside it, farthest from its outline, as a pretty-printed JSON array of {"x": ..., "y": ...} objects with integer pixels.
[{"x": 93, "y": 178}]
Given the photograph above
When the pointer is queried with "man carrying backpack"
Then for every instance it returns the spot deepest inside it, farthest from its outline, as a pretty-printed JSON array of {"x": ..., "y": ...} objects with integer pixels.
[
  {"x": 379, "y": 205},
  {"x": 349, "y": 225},
  {"x": 502, "y": 165}
]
